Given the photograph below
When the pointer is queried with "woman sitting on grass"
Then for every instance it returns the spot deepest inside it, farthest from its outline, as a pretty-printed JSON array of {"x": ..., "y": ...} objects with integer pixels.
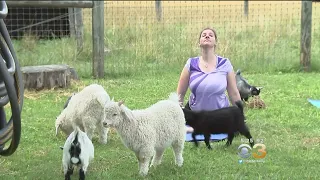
[{"x": 208, "y": 76}]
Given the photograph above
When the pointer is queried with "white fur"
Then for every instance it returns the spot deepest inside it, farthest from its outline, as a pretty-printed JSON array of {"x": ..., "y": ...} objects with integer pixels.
[
  {"x": 148, "y": 132},
  {"x": 85, "y": 109},
  {"x": 87, "y": 150}
]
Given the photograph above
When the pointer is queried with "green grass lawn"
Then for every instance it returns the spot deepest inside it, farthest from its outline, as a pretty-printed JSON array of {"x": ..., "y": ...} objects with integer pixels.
[{"x": 289, "y": 127}]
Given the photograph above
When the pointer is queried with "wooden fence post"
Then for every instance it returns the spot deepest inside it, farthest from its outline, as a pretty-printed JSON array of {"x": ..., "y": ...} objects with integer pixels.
[
  {"x": 71, "y": 22},
  {"x": 305, "y": 42},
  {"x": 98, "y": 39},
  {"x": 78, "y": 19},
  {"x": 158, "y": 10},
  {"x": 246, "y": 7}
]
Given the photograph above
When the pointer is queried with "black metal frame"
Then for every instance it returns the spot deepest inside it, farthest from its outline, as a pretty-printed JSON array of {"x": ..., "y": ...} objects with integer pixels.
[{"x": 11, "y": 89}]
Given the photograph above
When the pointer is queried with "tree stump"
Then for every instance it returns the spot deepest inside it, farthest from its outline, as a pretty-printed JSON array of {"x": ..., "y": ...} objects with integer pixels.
[{"x": 47, "y": 76}]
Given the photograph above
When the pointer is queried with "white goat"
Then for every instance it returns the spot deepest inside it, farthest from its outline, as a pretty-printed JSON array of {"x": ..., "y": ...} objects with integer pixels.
[
  {"x": 78, "y": 151},
  {"x": 150, "y": 131},
  {"x": 85, "y": 109}
]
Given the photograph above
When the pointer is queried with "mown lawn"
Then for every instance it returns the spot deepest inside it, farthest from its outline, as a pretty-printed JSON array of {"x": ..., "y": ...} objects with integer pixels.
[{"x": 288, "y": 126}]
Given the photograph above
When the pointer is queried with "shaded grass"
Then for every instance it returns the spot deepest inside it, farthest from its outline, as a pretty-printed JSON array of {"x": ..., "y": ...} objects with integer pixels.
[{"x": 288, "y": 126}]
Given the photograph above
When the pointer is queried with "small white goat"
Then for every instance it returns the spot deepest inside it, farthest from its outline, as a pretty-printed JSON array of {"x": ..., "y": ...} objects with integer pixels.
[
  {"x": 85, "y": 109},
  {"x": 78, "y": 151},
  {"x": 150, "y": 131}
]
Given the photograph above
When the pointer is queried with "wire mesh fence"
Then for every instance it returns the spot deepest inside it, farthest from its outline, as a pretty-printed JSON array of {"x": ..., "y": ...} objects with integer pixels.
[
  {"x": 38, "y": 22},
  {"x": 267, "y": 39},
  {"x": 140, "y": 38}
]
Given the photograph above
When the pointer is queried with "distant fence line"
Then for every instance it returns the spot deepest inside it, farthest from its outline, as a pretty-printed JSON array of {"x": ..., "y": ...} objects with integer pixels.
[{"x": 125, "y": 22}]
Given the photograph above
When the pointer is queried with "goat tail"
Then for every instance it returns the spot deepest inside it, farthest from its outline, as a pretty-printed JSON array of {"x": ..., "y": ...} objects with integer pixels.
[
  {"x": 238, "y": 72},
  {"x": 57, "y": 128},
  {"x": 240, "y": 105},
  {"x": 76, "y": 128},
  {"x": 174, "y": 97}
]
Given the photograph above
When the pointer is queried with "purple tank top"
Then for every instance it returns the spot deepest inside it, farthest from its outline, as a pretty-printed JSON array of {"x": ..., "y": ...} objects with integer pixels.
[{"x": 208, "y": 90}]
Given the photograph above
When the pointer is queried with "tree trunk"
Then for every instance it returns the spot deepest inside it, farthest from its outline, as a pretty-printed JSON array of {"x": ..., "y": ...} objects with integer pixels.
[{"x": 47, "y": 76}]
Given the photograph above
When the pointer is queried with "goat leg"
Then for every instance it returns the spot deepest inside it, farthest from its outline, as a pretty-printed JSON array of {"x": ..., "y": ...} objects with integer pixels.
[
  {"x": 194, "y": 139},
  {"x": 245, "y": 131},
  {"x": 69, "y": 173},
  {"x": 207, "y": 140},
  {"x": 230, "y": 138},
  {"x": 81, "y": 174}
]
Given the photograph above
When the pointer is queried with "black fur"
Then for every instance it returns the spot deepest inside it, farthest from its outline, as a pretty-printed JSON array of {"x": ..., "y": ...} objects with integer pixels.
[
  {"x": 66, "y": 104},
  {"x": 235, "y": 133},
  {"x": 81, "y": 175},
  {"x": 75, "y": 151},
  {"x": 225, "y": 120},
  {"x": 69, "y": 173},
  {"x": 254, "y": 91}
]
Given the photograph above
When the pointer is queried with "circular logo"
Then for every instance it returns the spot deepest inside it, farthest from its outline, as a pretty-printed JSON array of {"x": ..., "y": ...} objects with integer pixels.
[{"x": 244, "y": 151}]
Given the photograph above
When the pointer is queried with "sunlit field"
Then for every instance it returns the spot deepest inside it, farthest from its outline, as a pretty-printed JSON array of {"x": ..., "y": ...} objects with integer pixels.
[{"x": 268, "y": 40}]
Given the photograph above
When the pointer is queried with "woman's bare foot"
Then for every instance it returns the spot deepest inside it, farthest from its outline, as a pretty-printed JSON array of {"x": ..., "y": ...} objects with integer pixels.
[{"x": 189, "y": 130}]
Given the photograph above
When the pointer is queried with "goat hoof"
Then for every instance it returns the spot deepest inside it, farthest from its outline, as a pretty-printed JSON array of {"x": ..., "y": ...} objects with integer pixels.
[
  {"x": 103, "y": 141},
  {"x": 143, "y": 174},
  {"x": 236, "y": 133}
]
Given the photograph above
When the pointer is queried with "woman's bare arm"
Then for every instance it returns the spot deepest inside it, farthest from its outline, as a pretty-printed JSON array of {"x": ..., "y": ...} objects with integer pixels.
[{"x": 183, "y": 85}]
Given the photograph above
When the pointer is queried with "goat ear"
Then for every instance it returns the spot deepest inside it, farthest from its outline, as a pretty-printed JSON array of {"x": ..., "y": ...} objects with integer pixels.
[
  {"x": 121, "y": 102},
  {"x": 127, "y": 113}
]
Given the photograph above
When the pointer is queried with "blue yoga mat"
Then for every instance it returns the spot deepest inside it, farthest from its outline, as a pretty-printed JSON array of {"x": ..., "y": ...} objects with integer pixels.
[
  {"x": 200, "y": 137},
  {"x": 214, "y": 137},
  {"x": 315, "y": 102}
]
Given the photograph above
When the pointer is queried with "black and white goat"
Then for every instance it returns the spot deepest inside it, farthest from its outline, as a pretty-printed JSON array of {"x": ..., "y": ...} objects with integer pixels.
[
  {"x": 245, "y": 89},
  {"x": 78, "y": 151},
  {"x": 225, "y": 120}
]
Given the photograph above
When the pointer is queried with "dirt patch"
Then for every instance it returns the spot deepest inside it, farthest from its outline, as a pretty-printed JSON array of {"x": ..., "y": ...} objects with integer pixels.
[{"x": 315, "y": 141}]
